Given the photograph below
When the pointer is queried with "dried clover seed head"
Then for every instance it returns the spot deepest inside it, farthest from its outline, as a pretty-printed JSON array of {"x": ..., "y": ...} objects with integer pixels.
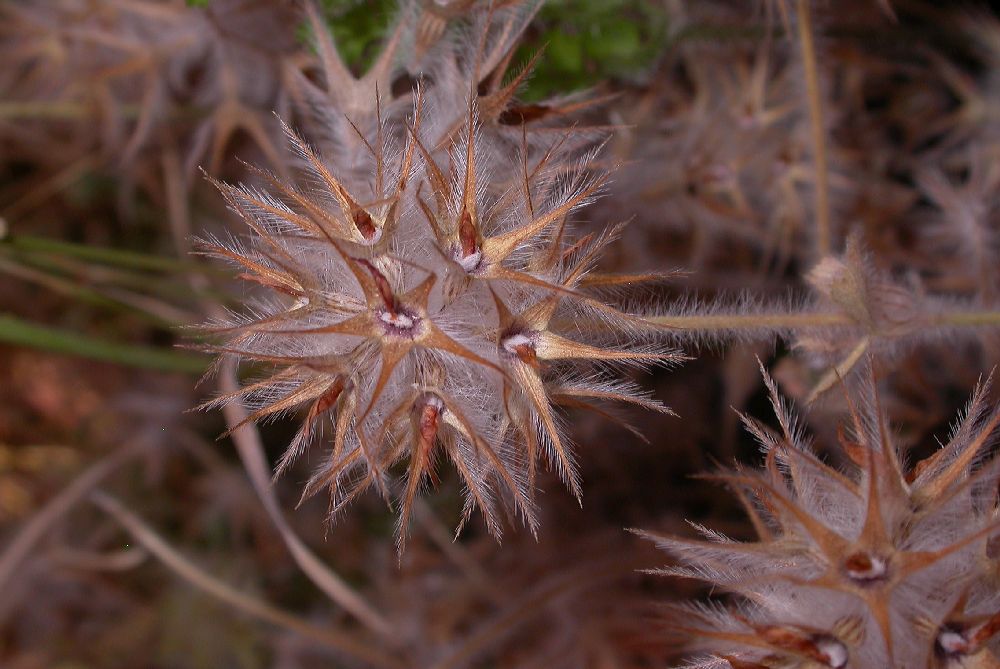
[
  {"x": 878, "y": 565},
  {"x": 425, "y": 296}
]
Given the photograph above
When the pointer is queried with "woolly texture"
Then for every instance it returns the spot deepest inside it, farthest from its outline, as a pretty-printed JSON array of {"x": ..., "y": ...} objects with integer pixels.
[
  {"x": 428, "y": 299},
  {"x": 879, "y": 565}
]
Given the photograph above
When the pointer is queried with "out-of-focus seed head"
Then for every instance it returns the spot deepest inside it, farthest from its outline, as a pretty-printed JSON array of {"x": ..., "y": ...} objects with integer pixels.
[{"x": 876, "y": 565}]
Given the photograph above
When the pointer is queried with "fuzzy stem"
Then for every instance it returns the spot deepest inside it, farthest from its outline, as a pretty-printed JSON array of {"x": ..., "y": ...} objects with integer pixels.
[
  {"x": 791, "y": 321},
  {"x": 752, "y": 321},
  {"x": 343, "y": 642},
  {"x": 818, "y": 130},
  {"x": 968, "y": 318}
]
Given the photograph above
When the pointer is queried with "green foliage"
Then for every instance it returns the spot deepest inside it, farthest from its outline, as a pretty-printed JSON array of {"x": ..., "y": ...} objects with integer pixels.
[
  {"x": 585, "y": 41},
  {"x": 589, "y": 41},
  {"x": 357, "y": 26}
]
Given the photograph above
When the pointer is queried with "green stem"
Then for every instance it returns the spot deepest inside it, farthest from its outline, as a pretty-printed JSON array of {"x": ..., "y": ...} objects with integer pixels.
[
  {"x": 100, "y": 254},
  {"x": 21, "y": 333},
  {"x": 161, "y": 286},
  {"x": 78, "y": 290},
  {"x": 101, "y": 276}
]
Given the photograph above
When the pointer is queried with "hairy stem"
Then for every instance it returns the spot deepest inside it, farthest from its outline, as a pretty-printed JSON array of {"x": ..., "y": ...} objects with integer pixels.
[
  {"x": 792, "y": 321},
  {"x": 967, "y": 317},
  {"x": 752, "y": 321}
]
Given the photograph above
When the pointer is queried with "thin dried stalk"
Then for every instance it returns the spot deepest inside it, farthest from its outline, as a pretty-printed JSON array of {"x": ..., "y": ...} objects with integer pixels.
[
  {"x": 342, "y": 642},
  {"x": 583, "y": 577},
  {"x": 59, "y": 181},
  {"x": 45, "y": 518},
  {"x": 251, "y": 451},
  {"x": 472, "y": 570},
  {"x": 116, "y": 561}
]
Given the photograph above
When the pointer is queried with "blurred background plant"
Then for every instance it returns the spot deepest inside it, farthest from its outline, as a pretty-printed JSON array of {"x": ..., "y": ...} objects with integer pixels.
[{"x": 130, "y": 537}]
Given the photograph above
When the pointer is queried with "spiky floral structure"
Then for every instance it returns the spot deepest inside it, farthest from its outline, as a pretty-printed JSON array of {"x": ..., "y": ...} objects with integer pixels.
[
  {"x": 876, "y": 565},
  {"x": 428, "y": 297}
]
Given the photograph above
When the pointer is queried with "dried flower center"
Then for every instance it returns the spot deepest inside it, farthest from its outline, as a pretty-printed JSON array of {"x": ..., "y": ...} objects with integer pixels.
[
  {"x": 396, "y": 318},
  {"x": 833, "y": 652},
  {"x": 470, "y": 263},
  {"x": 430, "y": 409},
  {"x": 865, "y": 568},
  {"x": 521, "y": 345},
  {"x": 468, "y": 254},
  {"x": 961, "y": 640},
  {"x": 399, "y": 322},
  {"x": 822, "y": 648},
  {"x": 331, "y": 395},
  {"x": 951, "y": 642}
]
